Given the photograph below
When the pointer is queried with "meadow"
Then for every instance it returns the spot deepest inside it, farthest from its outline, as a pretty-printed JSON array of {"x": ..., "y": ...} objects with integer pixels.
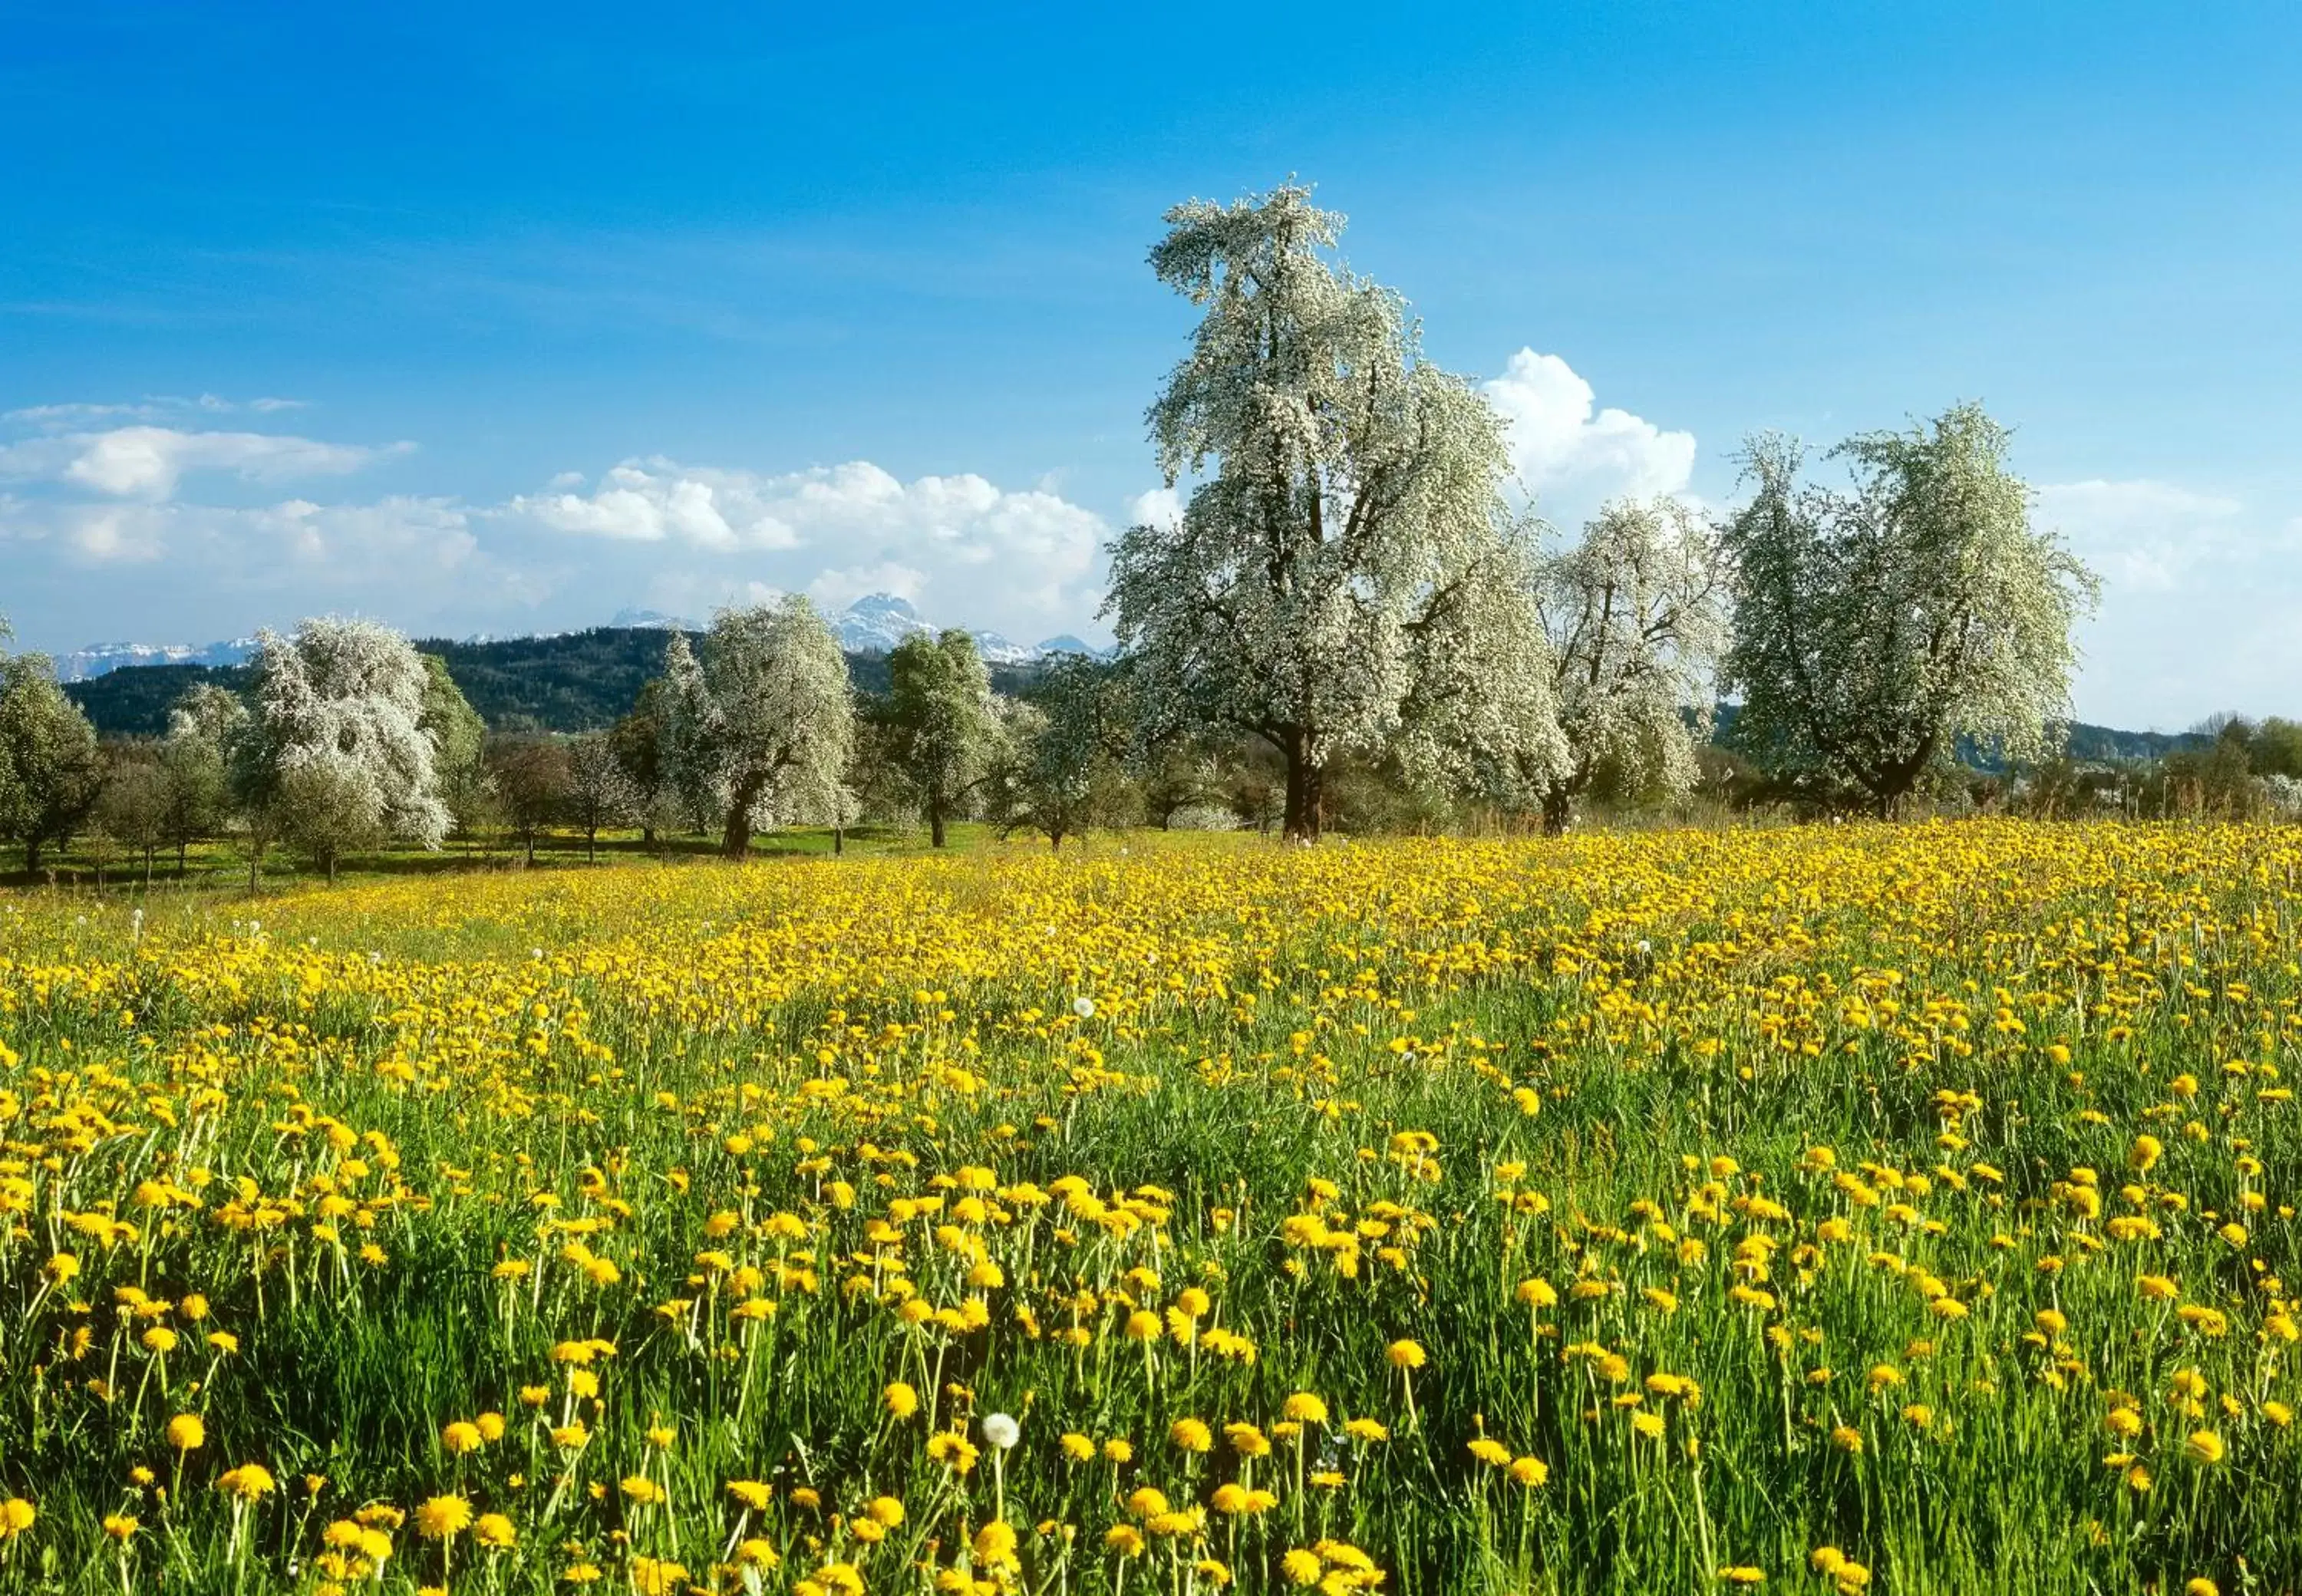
[{"x": 1831, "y": 1209}]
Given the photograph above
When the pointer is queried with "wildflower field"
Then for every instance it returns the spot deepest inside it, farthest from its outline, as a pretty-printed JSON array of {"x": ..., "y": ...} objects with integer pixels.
[{"x": 1905, "y": 1209}]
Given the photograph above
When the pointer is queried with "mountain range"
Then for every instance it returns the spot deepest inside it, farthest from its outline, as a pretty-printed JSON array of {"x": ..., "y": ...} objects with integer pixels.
[{"x": 872, "y": 624}]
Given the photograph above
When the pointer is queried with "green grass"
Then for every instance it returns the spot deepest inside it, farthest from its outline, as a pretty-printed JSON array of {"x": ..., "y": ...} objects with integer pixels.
[{"x": 1435, "y": 980}]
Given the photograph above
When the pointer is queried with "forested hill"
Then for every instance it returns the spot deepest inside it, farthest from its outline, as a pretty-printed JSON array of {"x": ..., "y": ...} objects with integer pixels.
[
  {"x": 583, "y": 681},
  {"x": 576, "y": 682}
]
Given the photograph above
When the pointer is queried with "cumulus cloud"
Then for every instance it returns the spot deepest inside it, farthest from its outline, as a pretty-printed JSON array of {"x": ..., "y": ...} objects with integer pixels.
[
  {"x": 147, "y": 462},
  {"x": 1575, "y": 455},
  {"x": 1158, "y": 507},
  {"x": 960, "y": 546},
  {"x": 655, "y": 500}
]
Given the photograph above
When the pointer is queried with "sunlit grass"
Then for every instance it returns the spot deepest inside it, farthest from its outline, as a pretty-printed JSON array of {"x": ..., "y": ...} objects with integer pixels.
[{"x": 1628, "y": 1212}]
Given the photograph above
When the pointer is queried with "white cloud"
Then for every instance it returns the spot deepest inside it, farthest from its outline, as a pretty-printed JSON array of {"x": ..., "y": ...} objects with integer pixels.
[
  {"x": 2143, "y": 535},
  {"x": 151, "y": 408},
  {"x": 835, "y": 591},
  {"x": 960, "y": 546},
  {"x": 1158, "y": 507},
  {"x": 2198, "y": 593},
  {"x": 655, "y": 500},
  {"x": 76, "y": 414},
  {"x": 1574, "y": 456},
  {"x": 394, "y": 541},
  {"x": 147, "y": 462}
]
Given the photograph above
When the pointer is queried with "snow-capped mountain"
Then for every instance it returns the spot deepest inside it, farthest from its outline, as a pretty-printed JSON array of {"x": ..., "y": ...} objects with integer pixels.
[
  {"x": 876, "y": 622},
  {"x": 872, "y": 624},
  {"x": 101, "y": 658},
  {"x": 1065, "y": 644},
  {"x": 650, "y": 620}
]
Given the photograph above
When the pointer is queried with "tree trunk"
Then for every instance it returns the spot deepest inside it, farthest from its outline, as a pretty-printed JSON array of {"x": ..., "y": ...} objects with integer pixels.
[
  {"x": 838, "y": 841},
  {"x": 531, "y": 850},
  {"x": 31, "y": 856},
  {"x": 934, "y": 824},
  {"x": 183, "y": 847},
  {"x": 1557, "y": 808},
  {"x": 736, "y": 841},
  {"x": 328, "y": 860},
  {"x": 1304, "y": 791},
  {"x": 592, "y": 846},
  {"x": 149, "y": 852}
]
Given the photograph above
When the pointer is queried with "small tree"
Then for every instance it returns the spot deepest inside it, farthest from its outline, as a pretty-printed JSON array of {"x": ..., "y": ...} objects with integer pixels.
[
  {"x": 1876, "y": 630},
  {"x": 599, "y": 792},
  {"x": 326, "y": 810},
  {"x": 636, "y": 741},
  {"x": 1636, "y": 617},
  {"x": 1059, "y": 771},
  {"x": 137, "y": 804},
  {"x": 50, "y": 770},
  {"x": 200, "y": 728},
  {"x": 760, "y": 729},
  {"x": 531, "y": 781},
  {"x": 941, "y": 727},
  {"x": 345, "y": 698},
  {"x": 459, "y": 768}
]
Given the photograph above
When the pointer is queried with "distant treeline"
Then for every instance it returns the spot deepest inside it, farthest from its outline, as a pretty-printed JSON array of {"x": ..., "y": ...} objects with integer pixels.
[
  {"x": 587, "y": 681},
  {"x": 576, "y": 682}
]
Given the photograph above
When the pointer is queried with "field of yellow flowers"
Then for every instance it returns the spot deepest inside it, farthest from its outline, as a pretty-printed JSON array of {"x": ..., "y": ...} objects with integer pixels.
[{"x": 1902, "y": 1209}]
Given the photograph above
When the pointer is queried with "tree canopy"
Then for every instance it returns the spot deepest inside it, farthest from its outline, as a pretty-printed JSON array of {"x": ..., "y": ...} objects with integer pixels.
[
  {"x": 1636, "y": 614},
  {"x": 941, "y": 727},
  {"x": 761, "y": 729},
  {"x": 50, "y": 773},
  {"x": 1876, "y": 628},
  {"x": 1342, "y": 577},
  {"x": 334, "y": 741}
]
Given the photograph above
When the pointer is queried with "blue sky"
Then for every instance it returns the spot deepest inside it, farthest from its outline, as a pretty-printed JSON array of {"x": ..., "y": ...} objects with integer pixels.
[{"x": 507, "y": 318}]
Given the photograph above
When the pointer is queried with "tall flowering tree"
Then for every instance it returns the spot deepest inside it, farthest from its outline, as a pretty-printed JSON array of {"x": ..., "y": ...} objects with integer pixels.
[
  {"x": 1636, "y": 617},
  {"x": 758, "y": 731},
  {"x": 1343, "y": 576},
  {"x": 1875, "y": 630}
]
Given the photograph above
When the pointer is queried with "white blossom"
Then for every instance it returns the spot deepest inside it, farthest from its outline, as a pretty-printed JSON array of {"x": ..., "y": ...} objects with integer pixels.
[
  {"x": 759, "y": 730},
  {"x": 1340, "y": 578},
  {"x": 1876, "y": 630},
  {"x": 1636, "y": 616},
  {"x": 338, "y": 707}
]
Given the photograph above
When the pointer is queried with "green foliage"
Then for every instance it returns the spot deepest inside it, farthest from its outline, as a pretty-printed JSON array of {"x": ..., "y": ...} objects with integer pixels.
[
  {"x": 1063, "y": 767},
  {"x": 135, "y": 701},
  {"x": 942, "y": 733},
  {"x": 458, "y": 745},
  {"x": 50, "y": 772},
  {"x": 326, "y": 812}
]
